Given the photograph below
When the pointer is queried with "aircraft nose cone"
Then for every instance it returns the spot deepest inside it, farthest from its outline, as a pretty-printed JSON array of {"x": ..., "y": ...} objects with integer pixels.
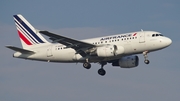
[{"x": 168, "y": 41}]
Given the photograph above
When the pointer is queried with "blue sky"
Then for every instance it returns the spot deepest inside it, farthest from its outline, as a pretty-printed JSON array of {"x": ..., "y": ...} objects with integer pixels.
[{"x": 23, "y": 80}]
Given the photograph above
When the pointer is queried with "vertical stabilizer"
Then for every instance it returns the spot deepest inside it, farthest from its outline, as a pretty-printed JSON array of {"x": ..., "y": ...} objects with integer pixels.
[{"x": 29, "y": 36}]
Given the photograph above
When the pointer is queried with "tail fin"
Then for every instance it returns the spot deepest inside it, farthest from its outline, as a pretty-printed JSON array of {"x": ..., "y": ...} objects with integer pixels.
[{"x": 29, "y": 36}]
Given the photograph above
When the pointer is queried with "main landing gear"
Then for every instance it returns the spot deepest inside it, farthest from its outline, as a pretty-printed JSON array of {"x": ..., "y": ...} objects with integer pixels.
[
  {"x": 86, "y": 65},
  {"x": 146, "y": 61},
  {"x": 101, "y": 71}
]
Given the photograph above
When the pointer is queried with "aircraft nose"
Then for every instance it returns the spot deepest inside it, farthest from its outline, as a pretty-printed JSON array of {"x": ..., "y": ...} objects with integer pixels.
[{"x": 168, "y": 41}]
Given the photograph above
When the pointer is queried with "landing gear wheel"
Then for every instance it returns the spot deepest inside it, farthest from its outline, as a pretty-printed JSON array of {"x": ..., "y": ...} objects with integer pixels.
[
  {"x": 87, "y": 65},
  {"x": 101, "y": 72},
  {"x": 146, "y": 61}
]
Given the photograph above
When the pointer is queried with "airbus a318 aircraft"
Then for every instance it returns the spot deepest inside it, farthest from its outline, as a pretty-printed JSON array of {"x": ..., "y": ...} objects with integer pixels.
[{"x": 119, "y": 50}]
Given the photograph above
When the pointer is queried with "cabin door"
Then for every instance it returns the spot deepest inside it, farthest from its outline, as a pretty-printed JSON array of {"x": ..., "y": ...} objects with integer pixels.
[{"x": 142, "y": 37}]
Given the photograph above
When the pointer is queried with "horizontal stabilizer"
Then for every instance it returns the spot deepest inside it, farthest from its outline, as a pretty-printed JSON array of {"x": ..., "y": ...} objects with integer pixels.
[{"x": 20, "y": 50}]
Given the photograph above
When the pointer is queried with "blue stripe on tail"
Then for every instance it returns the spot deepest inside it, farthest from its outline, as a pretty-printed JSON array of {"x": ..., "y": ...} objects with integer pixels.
[
  {"x": 26, "y": 33},
  {"x": 27, "y": 28}
]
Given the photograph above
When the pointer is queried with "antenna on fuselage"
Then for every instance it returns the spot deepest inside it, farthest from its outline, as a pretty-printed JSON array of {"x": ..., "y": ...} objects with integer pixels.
[{"x": 141, "y": 30}]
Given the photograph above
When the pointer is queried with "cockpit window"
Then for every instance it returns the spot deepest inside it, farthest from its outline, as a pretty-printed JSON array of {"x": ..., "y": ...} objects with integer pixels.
[{"x": 155, "y": 35}]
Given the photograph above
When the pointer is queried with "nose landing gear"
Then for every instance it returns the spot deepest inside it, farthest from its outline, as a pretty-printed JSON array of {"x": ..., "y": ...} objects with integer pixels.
[{"x": 146, "y": 61}]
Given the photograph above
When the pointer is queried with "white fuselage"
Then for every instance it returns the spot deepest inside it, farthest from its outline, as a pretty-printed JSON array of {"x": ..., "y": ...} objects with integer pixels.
[{"x": 133, "y": 43}]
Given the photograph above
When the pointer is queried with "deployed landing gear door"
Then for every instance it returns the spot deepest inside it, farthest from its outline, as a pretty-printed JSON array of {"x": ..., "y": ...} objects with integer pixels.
[
  {"x": 141, "y": 37},
  {"x": 49, "y": 51}
]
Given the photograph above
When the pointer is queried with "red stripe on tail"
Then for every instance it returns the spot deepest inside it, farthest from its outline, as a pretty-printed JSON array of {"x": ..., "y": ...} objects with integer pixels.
[{"x": 24, "y": 38}]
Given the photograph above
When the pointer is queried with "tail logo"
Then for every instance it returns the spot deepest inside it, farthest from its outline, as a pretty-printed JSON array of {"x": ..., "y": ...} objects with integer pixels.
[
  {"x": 134, "y": 34},
  {"x": 26, "y": 31}
]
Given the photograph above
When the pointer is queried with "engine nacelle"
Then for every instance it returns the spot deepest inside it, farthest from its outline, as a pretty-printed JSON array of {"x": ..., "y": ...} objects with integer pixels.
[
  {"x": 109, "y": 50},
  {"x": 127, "y": 62}
]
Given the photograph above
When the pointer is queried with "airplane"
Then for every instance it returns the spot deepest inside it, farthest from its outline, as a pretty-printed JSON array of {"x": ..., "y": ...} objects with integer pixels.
[{"x": 119, "y": 50}]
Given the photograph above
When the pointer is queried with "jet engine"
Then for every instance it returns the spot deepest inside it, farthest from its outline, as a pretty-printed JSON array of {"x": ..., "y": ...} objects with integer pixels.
[
  {"x": 109, "y": 50},
  {"x": 127, "y": 62}
]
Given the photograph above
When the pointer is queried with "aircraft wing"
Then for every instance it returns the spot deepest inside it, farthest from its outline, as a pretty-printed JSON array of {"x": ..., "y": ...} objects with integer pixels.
[{"x": 79, "y": 46}]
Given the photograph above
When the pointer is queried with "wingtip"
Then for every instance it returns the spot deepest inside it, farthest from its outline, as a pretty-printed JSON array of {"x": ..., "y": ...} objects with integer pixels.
[
  {"x": 43, "y": 32},
  {"x": 7, "y": 46},
  {"x": 17, "y": 15}
]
